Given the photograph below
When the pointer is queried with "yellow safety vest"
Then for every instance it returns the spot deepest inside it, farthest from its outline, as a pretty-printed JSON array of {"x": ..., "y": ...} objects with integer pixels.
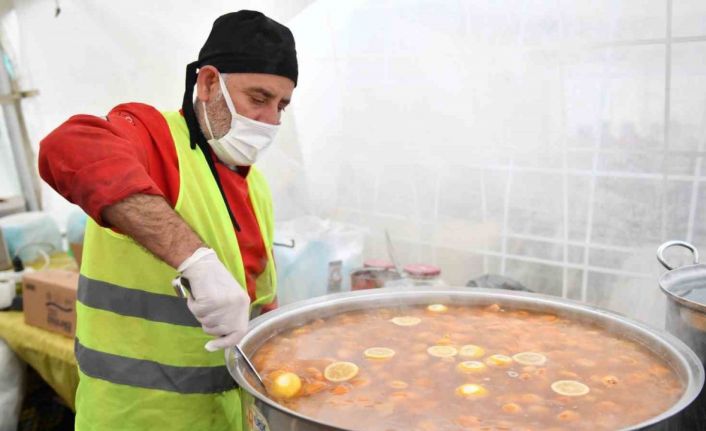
[{"x": 141, "y": 356}]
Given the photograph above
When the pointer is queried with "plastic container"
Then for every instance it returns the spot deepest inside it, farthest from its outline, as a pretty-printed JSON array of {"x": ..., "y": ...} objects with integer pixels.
[
  {"x": 29, "y": 234},
  {"x": 322, "y": 255},
  {"x": 374, "y": 274},
  {"x": 7, "y": 294}
]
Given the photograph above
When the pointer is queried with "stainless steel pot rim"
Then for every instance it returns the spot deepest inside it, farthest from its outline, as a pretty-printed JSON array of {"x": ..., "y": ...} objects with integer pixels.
[
  {"x": 691, "y": 363},
  {"x": 675, "y": 277},
  {"x": 679, "y": 277}
]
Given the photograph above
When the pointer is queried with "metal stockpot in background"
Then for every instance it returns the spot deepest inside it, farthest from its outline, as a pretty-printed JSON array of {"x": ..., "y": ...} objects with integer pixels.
[
  {"x": 686, "y": 318},
  {"x": 686, "y": 289}
]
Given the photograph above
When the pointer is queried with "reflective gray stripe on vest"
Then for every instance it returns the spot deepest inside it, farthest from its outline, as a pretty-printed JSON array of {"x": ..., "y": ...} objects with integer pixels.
[
  {"x": 152, "y": 375},
  {"x": 135, "y": 303}
]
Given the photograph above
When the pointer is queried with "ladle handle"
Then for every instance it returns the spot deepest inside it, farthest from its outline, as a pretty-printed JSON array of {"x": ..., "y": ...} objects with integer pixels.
[
  {"x": 662, "y": 248},
  {"x": 251, "y": 367},
  {"x": 391, "y": 254}
]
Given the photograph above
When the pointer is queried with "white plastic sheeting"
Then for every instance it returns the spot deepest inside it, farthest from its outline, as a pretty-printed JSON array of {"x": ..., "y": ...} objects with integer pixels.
[{"x": 556, "y": 142}]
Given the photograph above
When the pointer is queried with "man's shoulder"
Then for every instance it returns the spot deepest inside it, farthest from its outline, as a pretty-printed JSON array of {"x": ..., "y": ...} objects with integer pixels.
[
  {"x": 143, "y": 117},
  {"x": 143, "y": 123},
  {"x": 132, "y": 111}
]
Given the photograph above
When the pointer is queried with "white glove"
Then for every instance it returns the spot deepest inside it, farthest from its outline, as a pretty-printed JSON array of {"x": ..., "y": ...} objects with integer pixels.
[{"x": 218, "y": 302}]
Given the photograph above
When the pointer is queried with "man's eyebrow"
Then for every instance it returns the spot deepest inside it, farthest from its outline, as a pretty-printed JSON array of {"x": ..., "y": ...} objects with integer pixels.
[{"x": 266, "y": 93}]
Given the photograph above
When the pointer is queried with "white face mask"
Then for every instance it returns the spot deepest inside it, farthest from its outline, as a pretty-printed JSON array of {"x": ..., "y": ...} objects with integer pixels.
[{"x": 245, "y": 140}]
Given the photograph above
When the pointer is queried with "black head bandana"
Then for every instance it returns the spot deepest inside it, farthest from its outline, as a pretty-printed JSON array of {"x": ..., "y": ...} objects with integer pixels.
[{"x": 241, "y": 42}]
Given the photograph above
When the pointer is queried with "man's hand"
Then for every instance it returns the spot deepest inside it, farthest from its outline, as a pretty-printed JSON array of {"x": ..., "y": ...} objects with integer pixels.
[{"x": 218, "y": 301}]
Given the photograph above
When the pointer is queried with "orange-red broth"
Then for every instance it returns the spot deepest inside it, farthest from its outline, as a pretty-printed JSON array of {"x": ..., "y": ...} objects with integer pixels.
[{"x": 627, "y": 383}]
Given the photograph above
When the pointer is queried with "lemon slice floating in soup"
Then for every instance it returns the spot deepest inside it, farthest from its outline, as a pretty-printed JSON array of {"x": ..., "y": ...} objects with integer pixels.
[
  {"x": 530, "y": 358},
  {"x": 471, "y": 390},
  {"x": 570, "y": 388},
  {"x": 442, "y": 351},
  {"x": 471, "y": 367},
  {"x": 399, "y": 384},
  {"x": 340, "y": 371},
  {"x": 471, "y": 351},
  {"x": 498, "y": 360},
  {"x": 379, "y": 353},
  {"x": 284, "y": 384},
  {"x": 406, "y": 320},
  {"x": 437, "y": 308}
]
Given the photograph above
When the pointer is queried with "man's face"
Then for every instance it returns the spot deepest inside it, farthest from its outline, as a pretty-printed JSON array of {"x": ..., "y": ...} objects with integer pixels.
[{"x": 258, "y": 96}]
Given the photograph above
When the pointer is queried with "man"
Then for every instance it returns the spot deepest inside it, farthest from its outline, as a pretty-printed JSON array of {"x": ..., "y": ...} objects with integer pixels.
[{"x": 170, "y": 194}]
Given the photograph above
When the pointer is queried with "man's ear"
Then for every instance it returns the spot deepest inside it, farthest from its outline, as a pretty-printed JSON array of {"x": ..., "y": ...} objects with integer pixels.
[{"x": 207, "y": 85}]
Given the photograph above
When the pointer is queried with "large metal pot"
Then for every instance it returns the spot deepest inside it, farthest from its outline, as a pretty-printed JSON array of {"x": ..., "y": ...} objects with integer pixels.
[
  {"x": 686, "y": 289},
  {"x": 686, "y": 313},
  {"x": 262, "y": 414}
]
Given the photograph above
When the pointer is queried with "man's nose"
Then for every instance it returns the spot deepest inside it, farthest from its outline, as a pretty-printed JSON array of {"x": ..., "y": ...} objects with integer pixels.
[{"x": 269, "y": 115}]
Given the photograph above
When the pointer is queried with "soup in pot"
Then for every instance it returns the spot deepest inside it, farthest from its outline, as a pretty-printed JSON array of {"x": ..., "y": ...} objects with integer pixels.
[{"x": 445, "y": 367}]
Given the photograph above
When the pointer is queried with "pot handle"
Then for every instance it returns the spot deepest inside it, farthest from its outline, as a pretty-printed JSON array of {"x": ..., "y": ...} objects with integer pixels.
[{"x": 666, "y": 245}]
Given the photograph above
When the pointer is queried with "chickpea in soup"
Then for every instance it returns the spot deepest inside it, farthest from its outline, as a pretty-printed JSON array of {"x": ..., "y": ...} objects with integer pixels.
[{"x": 445, "y": 367}]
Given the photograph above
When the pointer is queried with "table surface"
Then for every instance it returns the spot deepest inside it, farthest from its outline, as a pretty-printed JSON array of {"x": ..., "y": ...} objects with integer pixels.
[{"x": 50, "y": 354}]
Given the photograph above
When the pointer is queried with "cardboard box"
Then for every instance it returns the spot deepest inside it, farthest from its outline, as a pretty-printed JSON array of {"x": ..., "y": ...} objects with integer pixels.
[
  {"x": 49, "y": 300},
  {"x": 77, "y": 251}
]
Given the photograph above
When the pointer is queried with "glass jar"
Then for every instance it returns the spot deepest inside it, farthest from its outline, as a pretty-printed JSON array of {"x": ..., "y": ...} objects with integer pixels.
[
  {"x": 378, "y": 264},
  {"x": 374, "y": 273},
  {"x": 420, "y": 274}
]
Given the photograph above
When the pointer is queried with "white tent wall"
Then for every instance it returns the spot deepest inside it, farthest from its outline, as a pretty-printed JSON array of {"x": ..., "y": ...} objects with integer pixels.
[
  {"x": 95, "y": 55},
  {"x": 555, "y": 142}
]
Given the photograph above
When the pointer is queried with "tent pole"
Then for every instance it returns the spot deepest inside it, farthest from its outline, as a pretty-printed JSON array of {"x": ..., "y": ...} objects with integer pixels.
[{"x": 11, "y": 101}]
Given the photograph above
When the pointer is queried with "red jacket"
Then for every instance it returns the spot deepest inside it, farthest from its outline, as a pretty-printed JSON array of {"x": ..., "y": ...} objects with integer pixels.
[{"x": 95, "y": 162}]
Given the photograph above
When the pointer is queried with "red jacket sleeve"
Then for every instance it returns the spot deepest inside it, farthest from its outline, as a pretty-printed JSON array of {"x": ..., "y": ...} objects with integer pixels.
[{"x": 95, "y": 162}]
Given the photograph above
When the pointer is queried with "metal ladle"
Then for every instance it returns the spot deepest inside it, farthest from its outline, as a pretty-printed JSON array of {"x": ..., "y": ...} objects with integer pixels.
[
  {"x": 391, "y": 253},
  {"x": 250, "y": 366}
]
